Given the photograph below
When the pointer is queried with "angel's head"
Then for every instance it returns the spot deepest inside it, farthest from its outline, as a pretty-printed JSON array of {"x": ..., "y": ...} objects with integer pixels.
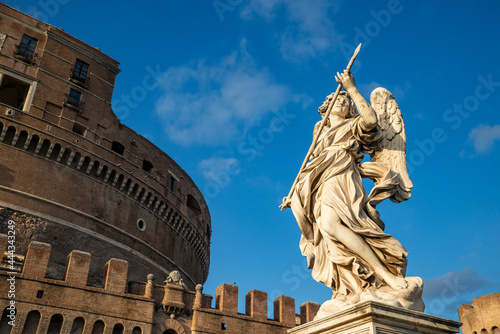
[{"x": 343, "y": 106}]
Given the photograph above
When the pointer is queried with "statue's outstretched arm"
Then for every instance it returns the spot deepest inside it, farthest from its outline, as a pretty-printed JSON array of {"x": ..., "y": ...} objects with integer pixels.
[{"x": 365, "y": 110}]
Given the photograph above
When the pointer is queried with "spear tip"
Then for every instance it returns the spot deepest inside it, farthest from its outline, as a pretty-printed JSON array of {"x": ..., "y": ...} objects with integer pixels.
[{"x": 357, "y": 50}]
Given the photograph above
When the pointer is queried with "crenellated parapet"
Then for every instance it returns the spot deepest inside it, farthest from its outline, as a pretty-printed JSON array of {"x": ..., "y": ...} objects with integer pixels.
[
  {"x": 483, "y": 316},
  {"x": 255, "y": 319},
  {"x": 144, "y": 305}
]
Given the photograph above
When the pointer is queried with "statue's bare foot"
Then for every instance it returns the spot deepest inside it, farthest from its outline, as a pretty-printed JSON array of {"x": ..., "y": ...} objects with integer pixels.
[{"x": 395, "y": 282}]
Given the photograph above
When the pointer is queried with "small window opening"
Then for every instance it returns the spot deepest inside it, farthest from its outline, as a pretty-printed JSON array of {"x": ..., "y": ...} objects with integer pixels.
[
  {"x": 117, "y": 148},
  {"x": 13, "y": 92},
  {"x": 118, "y": 329},
  {"x": 193, "y": 204},
  {"x": 172, "y": 184},
  {"x": 147, "y": 166},
  {"x": 223, "y": 326},
  {"x": 79, "y": 129},
  {"x": 39, "y": 294}
]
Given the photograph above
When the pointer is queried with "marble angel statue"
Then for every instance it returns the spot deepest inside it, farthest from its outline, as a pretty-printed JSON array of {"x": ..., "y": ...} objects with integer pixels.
[{"x": 343, "y": 236}]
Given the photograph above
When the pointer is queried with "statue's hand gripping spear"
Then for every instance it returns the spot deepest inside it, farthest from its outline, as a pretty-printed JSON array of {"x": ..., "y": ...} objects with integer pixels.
[{"x": 287, "y": 200}]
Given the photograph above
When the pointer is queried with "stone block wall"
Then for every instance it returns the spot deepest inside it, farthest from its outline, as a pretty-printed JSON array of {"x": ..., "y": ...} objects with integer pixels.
[{"x": 483, "y": 316}]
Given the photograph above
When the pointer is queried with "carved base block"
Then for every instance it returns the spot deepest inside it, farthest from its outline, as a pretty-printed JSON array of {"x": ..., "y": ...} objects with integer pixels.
[{"x": 376, "y": 318}]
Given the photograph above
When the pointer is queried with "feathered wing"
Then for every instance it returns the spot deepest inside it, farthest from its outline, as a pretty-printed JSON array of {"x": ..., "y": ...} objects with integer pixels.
[{"x": 392, "y": 149}]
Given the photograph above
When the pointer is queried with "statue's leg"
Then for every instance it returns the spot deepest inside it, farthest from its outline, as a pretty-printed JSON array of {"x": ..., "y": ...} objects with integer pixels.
[{"x": 331, "y": 224}]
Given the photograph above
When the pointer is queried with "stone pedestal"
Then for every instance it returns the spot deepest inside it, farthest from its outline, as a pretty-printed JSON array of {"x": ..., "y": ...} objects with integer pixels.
[{"x": 376, "y": 318}]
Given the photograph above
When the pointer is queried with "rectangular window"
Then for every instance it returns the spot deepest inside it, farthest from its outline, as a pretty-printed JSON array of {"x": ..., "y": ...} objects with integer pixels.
[
  {"x": 172, "y": 184},
  {"x": 118, "y": 148},
  {"x": 13, "y": 92},
  {"x": 147, "y": 166},
  {"x": 74, "y": 98},
  {"x": 80, "y": 72},
  {"x": 26, "y": 50}
]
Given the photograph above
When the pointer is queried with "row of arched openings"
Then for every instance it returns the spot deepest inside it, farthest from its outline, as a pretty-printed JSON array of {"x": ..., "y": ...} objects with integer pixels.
[
  {"x": 54, "y": 151},
  {"x": 494, "y": 330},
  {"x": 32, "y": 323}
]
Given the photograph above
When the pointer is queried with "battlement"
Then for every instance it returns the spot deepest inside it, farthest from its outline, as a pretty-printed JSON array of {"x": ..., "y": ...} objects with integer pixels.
[
  {"x": 481, "y": 316},
  {"x": 173, "y": 297},
  {"x": 256, "y": 306},
  {"x": 77, "y": 268}
]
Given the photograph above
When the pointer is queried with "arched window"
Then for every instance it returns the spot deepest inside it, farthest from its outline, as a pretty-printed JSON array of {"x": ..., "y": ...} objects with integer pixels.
[
  {"x": 65, "y": 157},
  {"x": 111, "y": 177},
  {"x": 95, "y": 167},
  {"x": 120, "y": 180},
  {"x": 9, "y": 136},
  {"x": 104, "y": 172},
  {"x": 495, "y": 330},
  {"x": 118, "y": 329},
  {"x": 45, "y": 148},
  {"x": 85, "y": 165},
  {"x": 55, "y": 152},
  {"x": 55, "y": 324},
  {"x": 127, "y": 186},
  {"x": 134, "y": 190},
  {"x": 76, "y": 160},
  {"x": 78, "y": 325},
  {"x": 137, "y": 330},
  {"x": 4, "y": 323},
  {"x": 98, "y": 327},
  {"x": 22, "y": 139},
  {"x": 33, "y": 144},
  {"x": 484, "y": 331},
  {"x": 31, "y": 323}
]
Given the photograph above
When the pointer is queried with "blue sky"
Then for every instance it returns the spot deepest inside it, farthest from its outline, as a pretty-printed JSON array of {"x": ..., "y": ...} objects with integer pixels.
[{"x": 238, "y": 84}]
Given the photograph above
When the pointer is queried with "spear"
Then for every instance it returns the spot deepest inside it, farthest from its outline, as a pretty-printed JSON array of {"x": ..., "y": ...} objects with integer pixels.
[{"x": 321, "y": 126}]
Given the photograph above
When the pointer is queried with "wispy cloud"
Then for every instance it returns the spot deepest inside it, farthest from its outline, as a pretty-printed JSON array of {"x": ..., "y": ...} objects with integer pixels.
[
  {"x": 483, "y": 138},
  {"x": 310, "y": 31},
  {"x": 213, "y": 166},
  {"x": 446, "y": 293},
  {"x": 213, "y": 104}
]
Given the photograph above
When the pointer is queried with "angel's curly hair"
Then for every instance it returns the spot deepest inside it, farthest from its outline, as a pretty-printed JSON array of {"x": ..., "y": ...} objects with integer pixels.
[{"x": 324, "y": 107}]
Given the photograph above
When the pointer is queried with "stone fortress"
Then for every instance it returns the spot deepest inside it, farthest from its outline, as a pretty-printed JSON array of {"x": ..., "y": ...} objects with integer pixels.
[
  {"x": 91, "y": 212},
  {"x": 483, "y": 316},
  {"x": 99, "y": 212}
]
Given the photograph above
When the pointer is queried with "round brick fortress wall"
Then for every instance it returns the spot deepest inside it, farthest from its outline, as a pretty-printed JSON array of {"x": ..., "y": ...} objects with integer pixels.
[{"x": 82, "y": 198}]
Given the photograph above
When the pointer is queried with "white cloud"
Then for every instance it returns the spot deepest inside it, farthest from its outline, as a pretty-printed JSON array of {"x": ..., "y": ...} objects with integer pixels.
[
  {"x": 444, "y": 294},
  {"x": 215, "y": 166},
  {"x": 483, "y": 137},
  {"x": 310, "y": 32},
  {"x": 455, "y": 284},
  {"x": 214, "y": 104}
]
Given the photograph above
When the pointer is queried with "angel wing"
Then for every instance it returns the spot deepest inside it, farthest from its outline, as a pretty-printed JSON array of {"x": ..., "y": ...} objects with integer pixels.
[{"x": 392, "y": 149}]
